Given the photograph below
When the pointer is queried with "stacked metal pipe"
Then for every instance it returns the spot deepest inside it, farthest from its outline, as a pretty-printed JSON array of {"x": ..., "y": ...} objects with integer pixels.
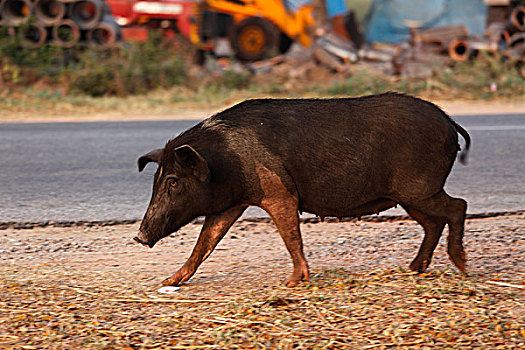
[
  {"x": 63, "y": 23},
  {"x": 505, "y": 33},
  {"x": 513, "y": 34}
]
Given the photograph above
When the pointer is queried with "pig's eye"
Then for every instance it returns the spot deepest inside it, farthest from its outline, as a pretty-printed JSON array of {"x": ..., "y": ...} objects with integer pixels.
[{"x": 172, "y": 183}]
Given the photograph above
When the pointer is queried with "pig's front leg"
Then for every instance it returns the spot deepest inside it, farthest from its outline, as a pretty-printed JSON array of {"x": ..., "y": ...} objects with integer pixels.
[
  {"x": 213, "y": 230},
  {"x": 283, "y": 207}
]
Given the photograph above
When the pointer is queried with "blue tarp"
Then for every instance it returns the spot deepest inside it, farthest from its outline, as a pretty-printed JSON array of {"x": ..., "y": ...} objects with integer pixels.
[
  {"x": 333, "y": 7},
  {"x": 390, "y": 21},
  {"x": 295, "y": 5}
]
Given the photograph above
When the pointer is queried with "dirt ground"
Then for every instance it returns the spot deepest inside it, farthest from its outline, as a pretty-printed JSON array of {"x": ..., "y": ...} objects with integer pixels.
[{"x": 94, "y": 288}]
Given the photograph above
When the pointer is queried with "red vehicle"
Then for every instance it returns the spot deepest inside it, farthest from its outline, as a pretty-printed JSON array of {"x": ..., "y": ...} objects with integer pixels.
[{"x": 165, "y": 14}]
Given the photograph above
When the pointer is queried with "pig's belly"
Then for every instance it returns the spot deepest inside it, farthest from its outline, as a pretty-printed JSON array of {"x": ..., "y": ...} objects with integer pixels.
[{"x": 355, "y": 209}]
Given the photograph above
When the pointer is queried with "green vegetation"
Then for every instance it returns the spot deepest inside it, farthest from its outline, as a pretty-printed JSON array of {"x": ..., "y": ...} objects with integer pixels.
[
  {"x": 17, "y": 64},
  {"x": 487, "y": 77},
  {"x": 127, "y": 69},
  {"x": 135, "y": 70}
]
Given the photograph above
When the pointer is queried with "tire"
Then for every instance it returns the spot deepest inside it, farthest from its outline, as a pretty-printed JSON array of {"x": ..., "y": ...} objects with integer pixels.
[
  {"x": 284, "y": 43},
  {"x": 254, "y": 39}
]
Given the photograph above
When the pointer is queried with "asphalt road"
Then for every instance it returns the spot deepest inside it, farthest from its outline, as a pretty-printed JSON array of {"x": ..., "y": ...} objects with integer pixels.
[{"x": 87, "y": 171}]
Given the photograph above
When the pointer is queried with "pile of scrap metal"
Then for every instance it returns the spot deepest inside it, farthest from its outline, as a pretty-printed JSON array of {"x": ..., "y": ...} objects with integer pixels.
[
  {"x": 413, "y": 38},
  {"x": 64, "y": 23},
  {"x": 507, "y": 27},
  {"x": 336, "y": 43},
  {"x": 329, "y": 50},
  {"x": 504, "y": 33}
]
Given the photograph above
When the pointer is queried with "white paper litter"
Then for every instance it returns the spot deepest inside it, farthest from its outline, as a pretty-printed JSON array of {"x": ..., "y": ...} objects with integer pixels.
[{"x": 168, "y": 289}]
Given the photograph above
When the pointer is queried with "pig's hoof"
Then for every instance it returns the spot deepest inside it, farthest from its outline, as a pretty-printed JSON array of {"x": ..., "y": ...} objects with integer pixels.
[
  {"x": 459, "y": 258},
  {"x": 291, "y": 283},
  {"x": 419, "y": 265},
  {"x": 174, "y": 280},
  {"x": 178, "y": 278},
  {"x": 170, "y": 282},
  {"x": 295, "y": 280}
]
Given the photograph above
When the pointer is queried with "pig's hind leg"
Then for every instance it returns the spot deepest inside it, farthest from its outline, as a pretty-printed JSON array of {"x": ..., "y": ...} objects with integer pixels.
[
  {"x": 213, "y": 230},
  {"x": 453, "y": 211},
  {"x": 433, "y": 227}
]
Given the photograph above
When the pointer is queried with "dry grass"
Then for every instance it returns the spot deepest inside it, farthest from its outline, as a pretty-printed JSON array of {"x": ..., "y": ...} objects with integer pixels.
[{"x": 59, "y": 291}]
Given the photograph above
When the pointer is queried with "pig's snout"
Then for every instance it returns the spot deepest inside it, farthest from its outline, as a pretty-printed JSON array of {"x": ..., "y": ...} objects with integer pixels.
[{"x": 142, "y": 241}]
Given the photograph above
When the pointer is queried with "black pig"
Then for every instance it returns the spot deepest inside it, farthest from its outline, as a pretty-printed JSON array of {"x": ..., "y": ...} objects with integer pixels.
[{"x": 331, "y": 157}]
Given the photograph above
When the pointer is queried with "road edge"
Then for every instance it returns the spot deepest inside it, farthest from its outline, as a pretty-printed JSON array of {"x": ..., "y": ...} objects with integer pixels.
[{"x": 312, "y": 220}]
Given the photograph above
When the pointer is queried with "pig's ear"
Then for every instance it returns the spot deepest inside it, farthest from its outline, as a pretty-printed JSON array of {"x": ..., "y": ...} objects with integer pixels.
[
  {"x": 153, "y": 156},
  {"x": 190, "y": 158}
]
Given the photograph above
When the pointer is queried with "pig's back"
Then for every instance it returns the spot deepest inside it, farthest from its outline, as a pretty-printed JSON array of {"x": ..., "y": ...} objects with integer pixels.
[{"x": 344, "y": 152}]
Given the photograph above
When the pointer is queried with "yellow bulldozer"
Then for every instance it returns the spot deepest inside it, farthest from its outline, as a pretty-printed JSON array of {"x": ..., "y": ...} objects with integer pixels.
[{"x": 256, "y": 29}]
